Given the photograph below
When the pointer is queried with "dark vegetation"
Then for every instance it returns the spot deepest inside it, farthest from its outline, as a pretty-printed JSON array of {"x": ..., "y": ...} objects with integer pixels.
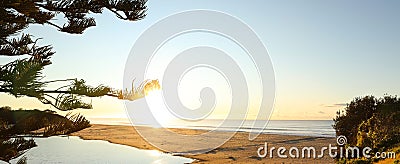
[
  {"x": 36, "y": 122},
  {"x": 14, "y": 123},
  {"x": 370, "y": 122},
  {"x": 23, "y": 77}
]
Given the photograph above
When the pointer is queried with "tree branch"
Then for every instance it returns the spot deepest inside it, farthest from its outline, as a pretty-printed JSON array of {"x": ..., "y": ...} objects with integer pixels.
[
  {"x": 54, "y": 25},
  {"x": 58, "y": 92},
  {"x": 52, "y": 81}
]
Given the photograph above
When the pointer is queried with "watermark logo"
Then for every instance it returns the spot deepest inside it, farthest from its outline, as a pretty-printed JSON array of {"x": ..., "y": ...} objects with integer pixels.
[
  {"x": 343, "y": 151},
  {"x": 194, "y": 55},
  {"x": 341, "y": 140}
]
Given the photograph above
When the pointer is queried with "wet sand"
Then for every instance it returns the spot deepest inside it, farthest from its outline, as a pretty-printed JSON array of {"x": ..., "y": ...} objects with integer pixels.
[{"x": 237, "y": 150}]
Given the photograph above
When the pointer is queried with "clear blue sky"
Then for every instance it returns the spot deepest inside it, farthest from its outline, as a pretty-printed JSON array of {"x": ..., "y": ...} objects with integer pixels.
[{"x": 324, "y": 52}]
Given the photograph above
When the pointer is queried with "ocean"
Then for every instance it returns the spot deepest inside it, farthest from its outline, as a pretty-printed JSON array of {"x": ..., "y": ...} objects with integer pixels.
[{"x": 317, "y": 128}]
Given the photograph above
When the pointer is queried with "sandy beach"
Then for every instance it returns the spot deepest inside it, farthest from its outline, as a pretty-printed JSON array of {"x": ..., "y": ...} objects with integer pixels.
[{"x": 238, "y": 149}]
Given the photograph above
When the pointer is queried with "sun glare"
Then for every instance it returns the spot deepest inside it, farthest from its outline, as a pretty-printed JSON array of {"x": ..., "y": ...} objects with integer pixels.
[
  {"x": 155, "y": 101},
  {"x": 150, "y": 86}
]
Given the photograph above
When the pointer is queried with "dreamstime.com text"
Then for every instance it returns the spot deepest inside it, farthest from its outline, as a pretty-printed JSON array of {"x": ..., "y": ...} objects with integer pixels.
[{"x": 333, "y": 151}]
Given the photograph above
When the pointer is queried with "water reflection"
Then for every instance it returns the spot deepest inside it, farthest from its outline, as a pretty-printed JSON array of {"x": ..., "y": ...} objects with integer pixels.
[{"x": 75, "y": 150}]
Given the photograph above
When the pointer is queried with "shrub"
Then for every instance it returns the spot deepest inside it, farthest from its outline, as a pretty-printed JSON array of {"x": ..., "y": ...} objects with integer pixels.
[{"x": 370, "y": 121}]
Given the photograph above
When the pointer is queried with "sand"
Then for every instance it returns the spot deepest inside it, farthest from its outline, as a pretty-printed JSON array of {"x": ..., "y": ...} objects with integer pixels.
[{"x": 237, "y": 150}]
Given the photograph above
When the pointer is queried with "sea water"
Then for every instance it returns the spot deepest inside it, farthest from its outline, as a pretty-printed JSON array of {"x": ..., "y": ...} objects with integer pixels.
[{"x": 316, "y": 128}]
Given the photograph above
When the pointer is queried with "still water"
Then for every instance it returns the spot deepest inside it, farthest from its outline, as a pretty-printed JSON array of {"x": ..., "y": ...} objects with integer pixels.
[{"x": 72, "y": 149}]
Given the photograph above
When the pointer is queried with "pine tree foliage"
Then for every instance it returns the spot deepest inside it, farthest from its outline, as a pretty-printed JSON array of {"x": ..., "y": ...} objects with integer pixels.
[
  {"x": 18, "y": 14},
  {"x": 23, "y": 77}
]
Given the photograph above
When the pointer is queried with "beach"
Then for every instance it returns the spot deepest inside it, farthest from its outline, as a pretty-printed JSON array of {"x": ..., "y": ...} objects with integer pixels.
[{"x": 238, "y": 149}]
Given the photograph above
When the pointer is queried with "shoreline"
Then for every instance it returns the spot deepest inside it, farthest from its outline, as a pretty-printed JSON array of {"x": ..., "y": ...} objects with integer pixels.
[{"x": 237, "y": 149}]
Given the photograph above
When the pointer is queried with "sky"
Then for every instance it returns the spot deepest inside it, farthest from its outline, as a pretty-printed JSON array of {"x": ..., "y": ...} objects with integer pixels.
[{"x": 324, "y": 53}]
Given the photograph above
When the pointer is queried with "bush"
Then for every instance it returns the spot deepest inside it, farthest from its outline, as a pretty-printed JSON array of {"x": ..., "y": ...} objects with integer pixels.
[
  {"x": 353, "y": 161},
  {"x": 22, "y": 122},
  {"x": 371, "y": 122}
]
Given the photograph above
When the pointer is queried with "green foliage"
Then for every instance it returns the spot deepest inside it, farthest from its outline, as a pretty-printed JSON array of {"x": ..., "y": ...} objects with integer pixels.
[
  {"x": 72, "y": 123},
  {"x": 354, "y": 161},
  {"x": 361, "y": 161},
  {"x": 14, "y": 123},
  {"x": 348, "y": 121},
  {"x": 78, "y": 122},
  {"x": 371, "y": 122},
  {"x": 36, "y": 122},
  {"x": 18, "y": 14},
  {"x": 397, "y": 150},
  {"x": 80, "y": 88},
  {"x": 23, "y": 77},
  {"x": 13, "y": 148}
]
